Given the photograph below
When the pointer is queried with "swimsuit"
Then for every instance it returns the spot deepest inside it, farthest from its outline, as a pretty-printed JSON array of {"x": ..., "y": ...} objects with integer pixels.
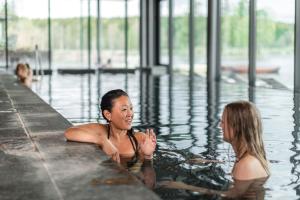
[{"x": 131, "y": 137}]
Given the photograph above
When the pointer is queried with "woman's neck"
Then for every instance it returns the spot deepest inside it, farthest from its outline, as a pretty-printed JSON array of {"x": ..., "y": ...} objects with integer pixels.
[
  {"x": 239, "y": 154},
  {"x": 116, "y": 133}
]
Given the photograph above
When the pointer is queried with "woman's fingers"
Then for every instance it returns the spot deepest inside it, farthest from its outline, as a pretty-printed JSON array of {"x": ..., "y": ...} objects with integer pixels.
[
  {"x": 115, "y": 157},
  {"x": 148, "y": 132}
]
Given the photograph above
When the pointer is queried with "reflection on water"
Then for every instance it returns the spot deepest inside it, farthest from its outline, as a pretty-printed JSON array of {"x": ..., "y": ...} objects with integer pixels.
[
  {"x": 295, "y": 160},
  {"x": 250, "y": 189},
  {"x": 184, "y": 112}
]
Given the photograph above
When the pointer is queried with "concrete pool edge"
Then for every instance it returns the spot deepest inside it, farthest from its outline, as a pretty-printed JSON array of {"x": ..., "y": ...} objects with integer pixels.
[{"x": 37, "y": 162}]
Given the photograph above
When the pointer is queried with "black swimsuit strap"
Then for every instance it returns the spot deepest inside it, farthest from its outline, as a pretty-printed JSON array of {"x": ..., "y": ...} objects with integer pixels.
[
  {"x": 133, "y": 146},
  {"x": 108, "y": 131},
  {"x": 130, "y": 136}
]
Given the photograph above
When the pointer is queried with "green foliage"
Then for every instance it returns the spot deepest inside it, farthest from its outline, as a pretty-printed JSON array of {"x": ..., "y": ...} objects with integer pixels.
[{"x": 71, "y": 33}]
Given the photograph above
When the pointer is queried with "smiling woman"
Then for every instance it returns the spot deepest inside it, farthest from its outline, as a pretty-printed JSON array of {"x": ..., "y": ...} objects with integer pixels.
[{"x": 116, "y": 138}]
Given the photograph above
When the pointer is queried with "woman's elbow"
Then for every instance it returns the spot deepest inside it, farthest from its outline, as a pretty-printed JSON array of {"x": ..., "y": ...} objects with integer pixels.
[{"x": 68, "y": 134}]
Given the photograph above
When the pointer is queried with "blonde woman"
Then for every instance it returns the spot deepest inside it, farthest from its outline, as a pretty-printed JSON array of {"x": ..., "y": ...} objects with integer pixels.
[{"x": 242, "y": 128}]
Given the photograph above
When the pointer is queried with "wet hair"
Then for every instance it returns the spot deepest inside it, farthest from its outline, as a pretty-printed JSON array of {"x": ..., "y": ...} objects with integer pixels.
[
  {"x": 21, "y": 67},
  {"x": 108, "y": 98},
  {"x": 244, "y": 119}
]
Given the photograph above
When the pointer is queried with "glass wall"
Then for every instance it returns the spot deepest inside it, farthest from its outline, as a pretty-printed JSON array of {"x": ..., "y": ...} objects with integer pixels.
[
  {"x": 94, "y": 37},
  {"x": 133, "y": 33},
  {"x": 163, "y": 32},
  {"x": 234, "y": 37},
  {"x": 181, "y": 35},
  {"x": 200, "y": 23},
  {"x": 2, "y": 35},
  {"x": 69, "y": 34},
  {"x": 275, "y": 42},
  {"x": 113, "y": 33},
  {"x": 27, "y": 30}
]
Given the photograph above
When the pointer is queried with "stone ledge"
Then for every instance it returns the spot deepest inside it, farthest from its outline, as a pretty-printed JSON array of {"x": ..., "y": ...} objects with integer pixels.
[{"x": 38, "y": 163}]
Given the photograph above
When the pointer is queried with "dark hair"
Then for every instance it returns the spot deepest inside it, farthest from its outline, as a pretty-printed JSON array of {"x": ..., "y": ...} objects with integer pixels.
[{"x": 108, "y": 98}]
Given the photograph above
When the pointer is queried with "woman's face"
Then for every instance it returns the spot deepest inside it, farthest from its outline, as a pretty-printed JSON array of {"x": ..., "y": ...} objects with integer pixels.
[
  {"x": 122, "y": 113},
  {"x": 227, "y": 131}
]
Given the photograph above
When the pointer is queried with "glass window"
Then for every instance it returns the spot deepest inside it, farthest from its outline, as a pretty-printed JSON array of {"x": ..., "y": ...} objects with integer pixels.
[
  {"x": 234, "y": 37},
  {"x": 69, "y": 34},
  {"x": 200, "y": 23},
  {"x": 275, "y": 42},
  {"x": 133, "y": 33},
  {"x": 94, "y": 39},
  {"x": 27, "y": 29},
  {"x": 181, "y": 35},
  {"x": 2, "y": 35},
  {"x": 163, "y": 32},
  {"x": 113, "y": 33}
]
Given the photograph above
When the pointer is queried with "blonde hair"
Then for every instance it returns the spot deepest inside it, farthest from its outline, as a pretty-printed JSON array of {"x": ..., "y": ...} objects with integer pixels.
[{"x": 244, "y": 119}]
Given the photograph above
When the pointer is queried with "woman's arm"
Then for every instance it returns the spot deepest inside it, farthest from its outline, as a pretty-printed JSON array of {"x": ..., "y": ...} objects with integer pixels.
[
  {"x": 96, "y": 134},
  {"x": 91, "y": 133}
]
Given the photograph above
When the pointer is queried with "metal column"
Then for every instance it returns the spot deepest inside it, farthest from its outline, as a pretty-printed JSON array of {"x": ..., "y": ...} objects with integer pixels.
[
  {"x": 151, "y": 33},
  {"x": 297, "y": 48},
  {"x": 49, "y": 36},
  {"x": 252, "y": 43},
  {"x": 98, "y": 38},
  {"x": 191, "y": 38},
  {"x": 143, "y": 34},
  {"x": 89, "y": 34},
  {"x": 170, "y": 39},
  {"x": 6, "y": 36},
  {"x": 213, "y": 41},
  {"x": 126, "y": 34}
]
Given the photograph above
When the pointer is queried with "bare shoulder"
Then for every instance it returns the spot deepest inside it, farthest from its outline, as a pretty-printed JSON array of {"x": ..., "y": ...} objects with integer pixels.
[
  {"x": 94, "y": 127},
  {"x": 249, "y": 168}
]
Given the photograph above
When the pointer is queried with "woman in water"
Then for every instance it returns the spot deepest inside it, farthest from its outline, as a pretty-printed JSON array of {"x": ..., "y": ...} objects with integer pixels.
[
  {"x": 116, "y": 138},
  {"x": 242, "y": 129}
]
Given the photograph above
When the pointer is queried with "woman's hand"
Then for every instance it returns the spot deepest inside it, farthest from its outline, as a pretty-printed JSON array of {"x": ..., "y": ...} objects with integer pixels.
[
  {"x": 111, "y": 150},
  {"x": 148, "y": 144}
]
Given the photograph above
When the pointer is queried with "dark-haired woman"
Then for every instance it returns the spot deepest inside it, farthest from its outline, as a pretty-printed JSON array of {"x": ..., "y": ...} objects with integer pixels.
[
  {"x": 116, "y": 138},
  {"x": 24, "y": 74}
]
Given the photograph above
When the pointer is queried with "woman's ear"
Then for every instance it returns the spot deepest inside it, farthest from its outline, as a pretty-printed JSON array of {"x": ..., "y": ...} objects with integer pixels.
[{"x": 107, "y": 115}]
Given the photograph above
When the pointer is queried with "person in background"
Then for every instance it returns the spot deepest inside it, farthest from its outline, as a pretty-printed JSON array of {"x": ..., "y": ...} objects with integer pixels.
[
  {"x": 242, "y": 129},
  {"x": 24, "y": 74},
  {"x": 108, "y": 64}
]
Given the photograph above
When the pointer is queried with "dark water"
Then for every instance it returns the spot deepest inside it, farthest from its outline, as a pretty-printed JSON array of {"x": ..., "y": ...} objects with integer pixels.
[{"x": 185, "y": 114}]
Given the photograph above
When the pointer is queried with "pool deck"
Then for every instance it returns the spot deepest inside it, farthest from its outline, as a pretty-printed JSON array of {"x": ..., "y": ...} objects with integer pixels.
[{"x": 36, "y": 162}]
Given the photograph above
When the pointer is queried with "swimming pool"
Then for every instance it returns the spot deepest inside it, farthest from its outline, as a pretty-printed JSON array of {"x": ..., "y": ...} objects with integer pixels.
[{"x": 185, "y": 115}]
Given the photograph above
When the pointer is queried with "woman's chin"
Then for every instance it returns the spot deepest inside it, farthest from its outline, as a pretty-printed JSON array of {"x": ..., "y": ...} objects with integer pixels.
[{"x": 128, "y": 127}]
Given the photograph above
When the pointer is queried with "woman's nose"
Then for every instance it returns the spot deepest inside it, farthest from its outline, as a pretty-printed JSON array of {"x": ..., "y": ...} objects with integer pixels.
[{"x": 130, "y": 113}]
